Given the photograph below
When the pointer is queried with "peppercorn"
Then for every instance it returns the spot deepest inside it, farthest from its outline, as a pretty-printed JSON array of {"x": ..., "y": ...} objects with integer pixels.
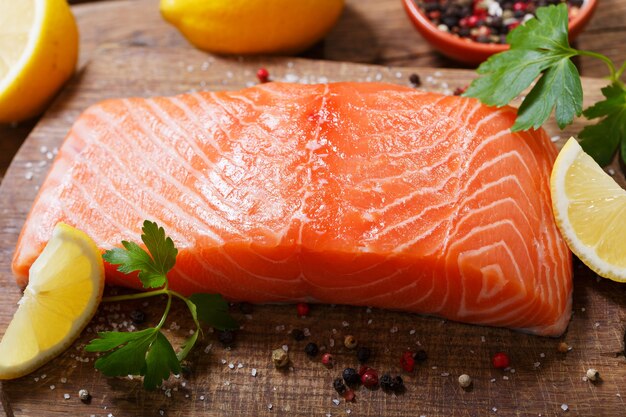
[
  {"x": 593, "y": 375},
  {"x": 138, "y": 316},
  {"x": 465, "y": 381},
  {"x": 351, "y": 376},
  {"x": 303, "y": 309},
  {"x": 415, "y": 80},
  {"x": 226, "y": 337},
  {"x": 370, "y": 378},
  {"x": 386, "y": 382},
  {"x": 363, "y": 354},
  {"x": 563, "y": 347},
  {"x": 349, "y": 395},
  {"x": 297, "y": 334},
  {"x": 500, "y": 360},
  {"x": 84, "y": 396},
  {"x": 397, "y": 384},
  {"x": 280, "y": 358},
  {"x": 420, "y": 355},
  {"x": 327, "y": 360},
  {"x": 339, "y": 386},
  {"x": 246, "y": 308},
  {"x": 263, "y": 75},
  {"x": 311, "y": 349},
  {"x": 350, "y": 341},
  {"x": 407, "y": 362}
]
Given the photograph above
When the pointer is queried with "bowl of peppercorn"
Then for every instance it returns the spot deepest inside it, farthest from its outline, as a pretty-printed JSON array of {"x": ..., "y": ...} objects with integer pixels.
[{"x": 470, "y": 31}]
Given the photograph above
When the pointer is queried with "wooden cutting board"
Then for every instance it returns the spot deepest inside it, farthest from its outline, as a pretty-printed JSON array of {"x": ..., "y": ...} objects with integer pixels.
[{"x": 542, "y": 382}]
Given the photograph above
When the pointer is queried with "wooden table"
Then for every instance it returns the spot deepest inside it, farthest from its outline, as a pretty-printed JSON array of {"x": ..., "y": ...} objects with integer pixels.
[
  {"x": 375, "y": 32},
  {"x": 369, "y": 31}
]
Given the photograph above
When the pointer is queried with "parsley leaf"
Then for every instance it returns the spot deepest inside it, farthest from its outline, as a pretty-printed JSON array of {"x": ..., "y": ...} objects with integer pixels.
[
  {"x": 160, "y": 361},
  {"x": 153, "y": 267},
  {"x": 539, "y": 46},
  {"x": 602, "y": 139},
  {"x": 213, "y": 310}
]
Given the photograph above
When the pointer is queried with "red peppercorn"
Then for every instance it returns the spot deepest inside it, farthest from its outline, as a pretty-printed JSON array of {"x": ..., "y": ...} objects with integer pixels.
[
  {"x": 303, "y": 309},
  {"x": 348, "y": 395},
  {"x": 263, "y": 75},
  {"x": 500, "y": 360},
  {"x": 519, "y": 6},
  {"x": 434, "y": 15},
  {"x": 370, "y": 378},
  {"x": 363, "y": 369},
  {"x": 472, "y": 21},
  {"x": 407, "y": 361},
  {"x": 327, "y": 359},
  {"x": 463, "y": 22}
]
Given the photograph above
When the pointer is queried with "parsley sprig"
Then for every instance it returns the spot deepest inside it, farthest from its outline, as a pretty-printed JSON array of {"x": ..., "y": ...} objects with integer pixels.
[
  {"x": 540, "y": 48},
  {"x": 148, "y": 352}
]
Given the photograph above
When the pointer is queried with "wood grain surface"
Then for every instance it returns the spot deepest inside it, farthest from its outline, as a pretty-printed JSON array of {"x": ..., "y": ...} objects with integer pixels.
[
  {"x": 541, "y": 382},
  {"x": 369, "y": 31}
]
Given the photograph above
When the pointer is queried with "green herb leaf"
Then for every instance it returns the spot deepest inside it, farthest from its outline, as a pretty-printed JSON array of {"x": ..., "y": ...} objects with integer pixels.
[
  {"x": 538, "y": 46},
  {"x": 160, "y": 361},
  {"x": 602, "y": 139},
  {"x": 213, "y": 310},
  {"x": 153, "y": 267},
  {"x": 129, "y": 356}
]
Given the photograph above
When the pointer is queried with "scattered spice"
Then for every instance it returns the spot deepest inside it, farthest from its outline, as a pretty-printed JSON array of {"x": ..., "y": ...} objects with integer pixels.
[
  {"x": 339, "y": 386},
  {"x": 363, "y": 354},
  {"x": 263, "y": 75},
  {"x": 459, "y": 90},
  {"x": 370, "y": 378},
  {"x": 350, "y": 341},
  {"x": 415, "y": 80},
  {"x": 500, "y": 360},
  {"x": 351, "y": 376},
  {"x": 84, "y": 396},
  {"x": 420, "y": 356},
  {"x": 138, "y": 316},
  {"x": 327, "y": 360},
  {"x": 348, "y": 396},
  {"x": 297, "y": 334},
  {"x": 280, "y": 358},
  {"x": 465, "y": 381},
  {"x": 303, "y": 309},
  {"x": 593, "y": 375},
  {"x": 226, "y": 337},
  {"x": 392, "y": 384},
  {"x": 311, "y": 349},
  {"x": 563, "y": 347},
  {"x": 407, "y": 361}
]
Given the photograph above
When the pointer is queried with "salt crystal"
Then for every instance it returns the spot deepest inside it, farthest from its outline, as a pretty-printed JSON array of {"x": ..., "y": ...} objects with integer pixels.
[
  {"x": 49, "y": 155},
  {"x": 286, "y": 348},
  {"x": 331, "y": 342},
  {"x": 280, "y": 328},
  {"x": 583, "y": 309},
  {"x": 398, "y": 74},
  {"x": 322, "y": 80},
  {"x": 306, "y": 332},
  {"x": 208, "y": 348},
  {"x": 229, "y": 74},
  {"x": 494, "y": 409},
  {"x": 555, "y": 138},
  {"x": 482, "y": 339},
  {"x": 291, "y": 78},
  {"x": 41, "y": 164},
  {"x": 348, "y": 411},
  {"x": 289, "y": 64},
  {"x": 52, "y": 387},
  {"x": 434, "y": 367},
  {"x": 585, "y": 379},
  {"x": 345, "y": 323},
  {"x": 66, "y": 396},
  {"x": 223, "y": 361},
  {"x": 412, "y": 332},
  {"x": 536, "y": 364},
  {"x": 394, "y": 329},
  {"x": 239, "y": 365},
  {"x": 36, "y": 379},
  {"x": 564, "y": 407},
  {"x": 611, "y": 171},
  {"x": 369, "y": 321},
  {"x": 505, "y": 377},
  {"x": 231, "y": 366},
  {"x": 542, "y": 355},
  {"x": 368, "y": 310},
  {"x": 202, "y": 398},
  {"x": 438, "y": 74},
  {"x": 189, "y": 68},
  {"x": 253, "y": 372},
  {"x": 28, "y": 175},
  {"x": 64, "y": 380},
  {"x": 445, "y": 374},
  {"x": 492, "y": 380},
  {"x": 270, "y": 406},
  {"x": 596, "y": 325},
  {"x": 168, "y": 393},
  {"x": 336, "y": 401},
  {"x": 618, "y": 395},
  {"x": 512, "y": 371},
  {"x": 29, "y": 164},
  {"x": 43, "y": 149}
]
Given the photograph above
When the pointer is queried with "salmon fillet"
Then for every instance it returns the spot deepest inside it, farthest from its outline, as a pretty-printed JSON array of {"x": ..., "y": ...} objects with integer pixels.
[{"x": 350, "y": 193}]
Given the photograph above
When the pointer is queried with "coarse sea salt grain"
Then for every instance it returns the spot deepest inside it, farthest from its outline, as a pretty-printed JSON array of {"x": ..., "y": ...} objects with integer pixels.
[
  {"x": 66, "y": 396},
  {"x": 336, "y": 401},
  {"x": 564, "y": 407},
  {"x": 253, "y": 372}
]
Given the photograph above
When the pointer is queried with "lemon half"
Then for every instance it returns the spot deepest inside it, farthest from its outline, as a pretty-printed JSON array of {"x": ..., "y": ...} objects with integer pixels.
[
  {"x": 590, "y": 211},
  {"x": 63, "y": 293},
  {"x": 38, "y": 53}
]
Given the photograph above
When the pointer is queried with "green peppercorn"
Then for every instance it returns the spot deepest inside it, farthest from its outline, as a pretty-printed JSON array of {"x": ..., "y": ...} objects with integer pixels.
[
  {"x": 280, "y": 358},
  {"x": 350, "y": 341}
]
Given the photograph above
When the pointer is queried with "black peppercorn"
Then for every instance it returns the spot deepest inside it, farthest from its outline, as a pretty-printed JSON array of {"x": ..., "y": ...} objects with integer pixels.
[
  {"x": 246, "y": 308},
  {"x": 339, "y": 386},
  {"x": 351, "y": 376},
  {"x": 415, "y": 80},
  {"x": 226, "y": 337},
  {"x": 420, "y": 355},
  {"x": 397, "y": 384},
  {"x": 138, "y": 316},
  {"x": 297, "y": 335},
  {"x": 386, "y": 382},
  {"x": 311, "y": 349},
  {"x": 363, "y": 354}
]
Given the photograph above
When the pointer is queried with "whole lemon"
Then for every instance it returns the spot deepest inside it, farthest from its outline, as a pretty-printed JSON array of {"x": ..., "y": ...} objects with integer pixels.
[
  {"x": 38, "y": 53},
  {"x": 252, "y": 26}
]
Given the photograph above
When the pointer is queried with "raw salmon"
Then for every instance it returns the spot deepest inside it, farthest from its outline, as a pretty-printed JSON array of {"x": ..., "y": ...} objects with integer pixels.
[{"x": 354, "y": 193}]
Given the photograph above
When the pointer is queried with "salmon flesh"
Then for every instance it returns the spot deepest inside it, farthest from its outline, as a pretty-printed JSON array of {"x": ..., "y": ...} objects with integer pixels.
[{"x": 350, "y": 193}]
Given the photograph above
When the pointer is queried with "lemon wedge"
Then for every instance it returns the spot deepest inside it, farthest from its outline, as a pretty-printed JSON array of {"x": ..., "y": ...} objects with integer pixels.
[
  {"x": 590, "y": 209},
  {"x": 38, "y": 53},
  {"x": 64, "y": 289}
]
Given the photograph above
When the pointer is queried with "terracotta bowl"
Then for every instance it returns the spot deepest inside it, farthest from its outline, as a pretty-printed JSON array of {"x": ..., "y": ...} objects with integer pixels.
[{"x": 473, "y": 53}]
